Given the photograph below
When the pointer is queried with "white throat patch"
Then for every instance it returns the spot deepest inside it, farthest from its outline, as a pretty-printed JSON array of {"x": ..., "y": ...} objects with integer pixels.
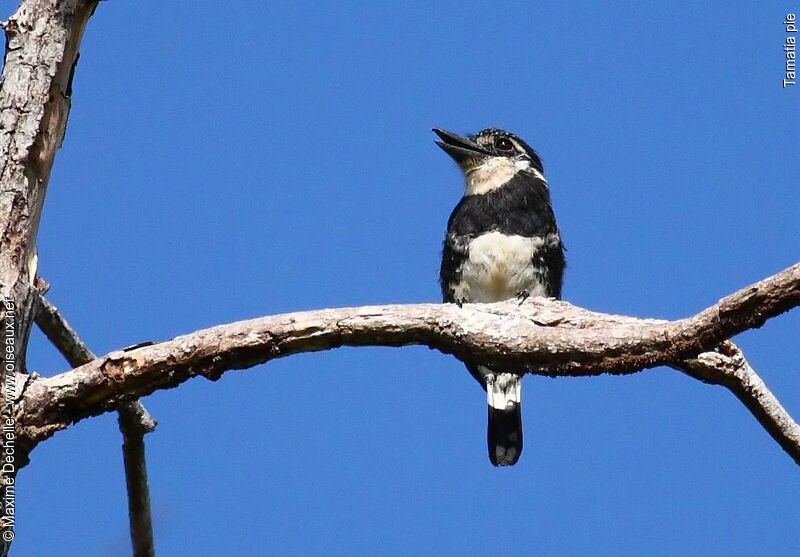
[{"x": 492, "y": 174}]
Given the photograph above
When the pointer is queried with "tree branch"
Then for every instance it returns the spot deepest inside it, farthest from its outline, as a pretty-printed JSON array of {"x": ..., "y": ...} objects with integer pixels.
[
  {"x": 552, "y": 337},
  {"x": 134, "y": 423},
  {"x": 42, "y": 42},
  {"x": 61, "y": 334},
  {"x": 728, "y": 367}
]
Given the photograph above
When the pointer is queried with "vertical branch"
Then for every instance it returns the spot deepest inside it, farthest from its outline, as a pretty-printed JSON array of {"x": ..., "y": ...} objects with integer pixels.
[
  {"x": 42, "y": 42},
  {"x": 134, "y": 423}
]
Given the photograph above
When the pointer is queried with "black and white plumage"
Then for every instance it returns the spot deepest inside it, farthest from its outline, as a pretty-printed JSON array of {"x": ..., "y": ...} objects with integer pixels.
[{"x": 502, "y": 241}]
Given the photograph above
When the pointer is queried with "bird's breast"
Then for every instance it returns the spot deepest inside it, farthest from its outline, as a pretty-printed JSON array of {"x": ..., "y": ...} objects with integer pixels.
[{"x": 497, "y": 266}]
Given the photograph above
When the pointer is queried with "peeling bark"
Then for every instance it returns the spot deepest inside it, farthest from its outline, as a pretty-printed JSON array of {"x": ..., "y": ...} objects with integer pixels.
[{"x": 42, "y": 41}]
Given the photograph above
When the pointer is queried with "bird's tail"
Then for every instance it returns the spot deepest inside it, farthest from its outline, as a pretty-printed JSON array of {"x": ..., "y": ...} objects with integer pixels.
[{"x": 504, "y": 434}]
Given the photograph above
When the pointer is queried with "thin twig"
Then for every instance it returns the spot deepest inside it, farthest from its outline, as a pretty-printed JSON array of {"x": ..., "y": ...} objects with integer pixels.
[
  {"x": 728, "y": 367},
  {"x": 134, "y": 423}
]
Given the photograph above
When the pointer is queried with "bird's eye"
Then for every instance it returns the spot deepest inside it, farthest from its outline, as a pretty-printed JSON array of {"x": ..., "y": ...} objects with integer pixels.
[{"x": 503, "y": 144}]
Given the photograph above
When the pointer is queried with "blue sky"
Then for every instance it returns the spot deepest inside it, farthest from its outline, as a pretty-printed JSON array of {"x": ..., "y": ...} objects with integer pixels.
[{"x": 230, "y": 160}]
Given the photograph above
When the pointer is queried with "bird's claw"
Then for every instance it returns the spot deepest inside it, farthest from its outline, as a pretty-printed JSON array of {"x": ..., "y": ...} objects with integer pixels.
[{"x": 522, "y": 295}]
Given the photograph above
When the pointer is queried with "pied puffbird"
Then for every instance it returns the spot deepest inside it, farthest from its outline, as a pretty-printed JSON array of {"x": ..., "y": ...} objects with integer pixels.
[{"x": 502, "y": 242}]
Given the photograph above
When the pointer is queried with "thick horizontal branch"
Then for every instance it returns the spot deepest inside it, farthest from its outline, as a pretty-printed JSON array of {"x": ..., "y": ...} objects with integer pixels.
[{"x": 549, "y": 336}]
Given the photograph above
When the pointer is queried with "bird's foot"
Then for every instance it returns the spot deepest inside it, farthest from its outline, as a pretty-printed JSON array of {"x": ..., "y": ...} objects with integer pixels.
[
  {"x": 460, "y": 302},
  {"x": 522, "y": 295}
]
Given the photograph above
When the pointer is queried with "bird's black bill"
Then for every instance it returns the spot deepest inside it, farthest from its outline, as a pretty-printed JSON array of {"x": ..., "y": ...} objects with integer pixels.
[{"x": 460, "y": 148}]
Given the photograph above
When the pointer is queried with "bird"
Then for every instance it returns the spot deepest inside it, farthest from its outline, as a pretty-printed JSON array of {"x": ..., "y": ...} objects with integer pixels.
[{"x": 502, "y": 242}]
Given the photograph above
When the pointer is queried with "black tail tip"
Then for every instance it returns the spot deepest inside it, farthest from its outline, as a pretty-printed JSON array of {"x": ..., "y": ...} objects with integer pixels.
[
  {"x": 504, "y": 436},
  {"x": 504, "y": 456}
]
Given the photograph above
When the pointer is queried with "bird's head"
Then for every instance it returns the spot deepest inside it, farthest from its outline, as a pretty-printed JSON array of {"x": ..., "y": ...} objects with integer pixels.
[{"x": 490, "y": 158}]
